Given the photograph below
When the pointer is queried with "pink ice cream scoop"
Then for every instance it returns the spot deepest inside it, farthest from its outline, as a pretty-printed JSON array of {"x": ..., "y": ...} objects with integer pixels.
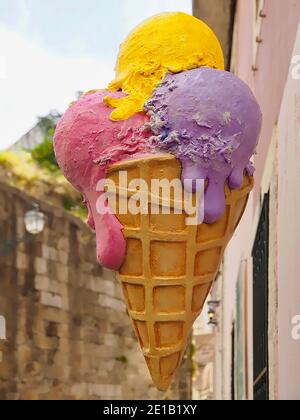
[{"x": 86, "y": 143}]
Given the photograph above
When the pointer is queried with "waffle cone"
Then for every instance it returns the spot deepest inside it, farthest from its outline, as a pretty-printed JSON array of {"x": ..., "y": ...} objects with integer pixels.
[{"x": 169, "y": 266}]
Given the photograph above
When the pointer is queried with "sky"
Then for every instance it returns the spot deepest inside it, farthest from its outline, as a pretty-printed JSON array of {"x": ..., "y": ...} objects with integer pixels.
[{"x": 49, "y": 50}]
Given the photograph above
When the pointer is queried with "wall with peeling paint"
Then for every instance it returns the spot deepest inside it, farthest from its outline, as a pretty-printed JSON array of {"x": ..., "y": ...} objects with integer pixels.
[
  {"x": 278, "y": 171},
  {"x": 289, "y": 237}
]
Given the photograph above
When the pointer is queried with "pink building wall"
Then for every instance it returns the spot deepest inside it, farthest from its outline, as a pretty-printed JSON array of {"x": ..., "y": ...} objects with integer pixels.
[
  {"x": 279, "y": 30},
  {"x": 289, "y": 238},
  {"x": 278, "y": 33}
]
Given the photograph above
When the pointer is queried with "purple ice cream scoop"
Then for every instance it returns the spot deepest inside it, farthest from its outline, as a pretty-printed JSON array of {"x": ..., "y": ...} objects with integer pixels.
[{"x": 211, "y": 121}]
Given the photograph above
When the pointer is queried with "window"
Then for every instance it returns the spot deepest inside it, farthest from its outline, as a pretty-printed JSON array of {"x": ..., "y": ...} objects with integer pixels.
[{"x": 260, "y": 256}]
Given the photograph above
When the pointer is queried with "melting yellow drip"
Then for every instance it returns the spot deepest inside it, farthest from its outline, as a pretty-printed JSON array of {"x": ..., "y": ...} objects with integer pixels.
[{"x": 166, "y": 43}]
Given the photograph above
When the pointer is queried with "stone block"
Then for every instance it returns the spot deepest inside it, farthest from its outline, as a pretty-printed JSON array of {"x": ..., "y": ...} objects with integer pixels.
[
  {"x": 108, "y": 367},
  {"x": 83, "y": 279},
  {"x": 40, "y": 265},
  {"x": 24, "y": 355},
  {"x": 62, "y": 273},
  {"x": 65, "y": 344},
  {"x": 61, "y": 225},
  {"x": 108, "y": 275},
  {"x": 129, "y": 342},
  {"x": 100, "y": 286},
  {"x": 29, "y": 395},
  {"x": 20, "y": 227},
  {"x": 51, "y": 299},
  {"x": 38, "y": 327},
  {"x": 106, "y": 352},
  {"x": 91, "y": 335},
  {"x": 104, "y": 391},
  {"x": 64, "y": 330},
  {"x": 41, "y": 283},
  {"x": 48, "y": 313},
  {"x": 111, "y": 303},
  {"x": 57, "y": 288},
  {"x": 118, "y": 292},
  {"x": 79, "y": 390},
  {"x": 63, "y": 257},
  {"x": 62, "y": 358},
  {"x": 21, "y": 337},
  {"x": 59, "y": 372},
  {"x": 111, "y": 340},
  {"x": 45, "y": 343},
  {"x": 87, "y": 267},
  {"x": 22, "y": 261},
  {"x": 63, "y": 244},
  {"x": 49, "y": 253}
]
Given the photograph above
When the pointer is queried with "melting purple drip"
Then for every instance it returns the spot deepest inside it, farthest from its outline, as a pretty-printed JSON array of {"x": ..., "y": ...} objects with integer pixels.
[
  {"x": 214, "y": 198},
  {"x": 210, "y": 120}
]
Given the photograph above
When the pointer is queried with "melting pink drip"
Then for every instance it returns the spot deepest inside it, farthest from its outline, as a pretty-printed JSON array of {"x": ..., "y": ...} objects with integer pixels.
[{"x": 111, "y": 245}]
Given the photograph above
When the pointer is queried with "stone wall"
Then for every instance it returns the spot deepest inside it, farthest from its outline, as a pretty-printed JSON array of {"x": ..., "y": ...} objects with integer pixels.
[{"x": 68, "y": 333}]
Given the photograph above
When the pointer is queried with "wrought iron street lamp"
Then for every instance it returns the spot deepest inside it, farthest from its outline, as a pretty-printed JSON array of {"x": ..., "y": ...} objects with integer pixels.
[
  {"x": 34, "y": 221},
  {"x": 212, "y": 312}
]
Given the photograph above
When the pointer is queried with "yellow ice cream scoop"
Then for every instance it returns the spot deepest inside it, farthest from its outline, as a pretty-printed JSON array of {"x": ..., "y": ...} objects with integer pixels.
[{"x": 165, "y": 43}]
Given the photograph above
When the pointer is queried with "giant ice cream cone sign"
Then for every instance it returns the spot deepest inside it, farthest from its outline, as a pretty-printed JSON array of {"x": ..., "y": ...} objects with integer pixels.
[
  {"x": 172, "y": 114},
  {"x": 170, "y": 266}
]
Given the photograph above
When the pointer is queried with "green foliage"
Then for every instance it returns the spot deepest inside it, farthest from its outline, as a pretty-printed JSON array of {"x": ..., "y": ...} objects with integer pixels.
[
  {"x": 192, "y": 349},
  {"x": 44, "y": 154},
  {"x": 122, "y": 359},
  {"x": 80, "y": 211},
  {"x": 29, "y": 169},
  {"x": 68, "y": 203},
  {"x": 49, "y": 121},
  {"x": 193, "y": 364},
  {"x": 76, "y": 209}
]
